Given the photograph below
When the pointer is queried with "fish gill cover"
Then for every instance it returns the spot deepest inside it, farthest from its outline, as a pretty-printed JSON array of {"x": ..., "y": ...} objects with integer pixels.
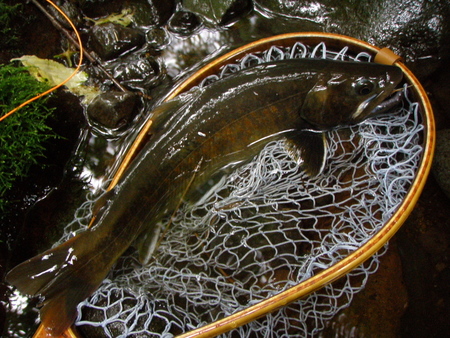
[{"x": 264, "y": 229}]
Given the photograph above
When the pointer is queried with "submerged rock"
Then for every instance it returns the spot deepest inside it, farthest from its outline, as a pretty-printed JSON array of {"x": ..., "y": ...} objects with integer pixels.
[
  {"x": 184, "y": 23},
  {"x": 152, "y": 12},
  {"x": 379, "y": 307},
  {"x": 415, "y": 29},
  {"x": 157, "y": 40},
  {"x": 139, "y": 72},
  {"x": 100, "y": 8},
  {"x": 111, "y": 40},
  {"x": 221, "y": 12},
  {"x": 113, "y": 109},
  {"x": 69, "y": 8},
  {"x": 318, "y": 11}
]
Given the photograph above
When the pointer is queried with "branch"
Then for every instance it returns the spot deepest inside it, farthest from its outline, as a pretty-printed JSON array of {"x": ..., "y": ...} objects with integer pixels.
[{"x": 88, "y": 55}]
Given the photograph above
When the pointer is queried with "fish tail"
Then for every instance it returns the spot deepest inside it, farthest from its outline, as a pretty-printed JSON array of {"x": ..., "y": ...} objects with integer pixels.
[{"x": 64, "y": 276}]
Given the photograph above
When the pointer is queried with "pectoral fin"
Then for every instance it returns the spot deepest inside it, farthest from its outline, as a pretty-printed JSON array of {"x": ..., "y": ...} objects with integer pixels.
[
  {"x": 147, "y": 244},
  {"x": 310, "y": 149}
]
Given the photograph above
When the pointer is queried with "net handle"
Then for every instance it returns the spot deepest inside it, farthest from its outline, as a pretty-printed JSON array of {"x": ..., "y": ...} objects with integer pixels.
[{"x": 386, "y": 56}]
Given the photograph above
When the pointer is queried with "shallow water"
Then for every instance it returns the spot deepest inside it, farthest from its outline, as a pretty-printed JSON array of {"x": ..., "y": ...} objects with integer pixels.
[{"x": 408, "y": 296}]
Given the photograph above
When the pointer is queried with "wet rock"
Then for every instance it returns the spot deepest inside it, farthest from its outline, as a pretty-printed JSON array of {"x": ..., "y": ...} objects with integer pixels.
[
  {"x": 318, "y": 11},
  {"x": 221, "y": 12},
  {"x": 184, "y": 23},
  {"x": 191, "y": 51},
  {"x": 152, "y": 12},
  {"x": 138, "y": 72},
  {"x": 71, "y": 9},
  {"x": 111, "y": 40},
  {"x": 113, "y": 109},
  {"x": 157, "y": 39},
  {"x": 237, "y": 10},
  {"x": 441, "y": 164},
  {"x": 415, "y": 29},
  {"x": 100, "y": 8}
]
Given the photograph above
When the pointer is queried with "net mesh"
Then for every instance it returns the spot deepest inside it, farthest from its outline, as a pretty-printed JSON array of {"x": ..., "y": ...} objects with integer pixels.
[{"x": 264, "y": 228}]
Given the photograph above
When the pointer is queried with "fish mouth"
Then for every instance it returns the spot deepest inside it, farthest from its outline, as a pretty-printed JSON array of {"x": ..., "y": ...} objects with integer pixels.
[
  {"x": 385, "y": 106},
  {"x": 362, "y": 107},
  {"x": 393, "y": 101},
  {"x": 383, "y": 101}
]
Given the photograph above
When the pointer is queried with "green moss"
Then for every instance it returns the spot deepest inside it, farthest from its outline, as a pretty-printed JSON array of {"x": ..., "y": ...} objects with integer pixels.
[
  {"x": 7, "y": 36},
  {"x": 23, "y": 133}
]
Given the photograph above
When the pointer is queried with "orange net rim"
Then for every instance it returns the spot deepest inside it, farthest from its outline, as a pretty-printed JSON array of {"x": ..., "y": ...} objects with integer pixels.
[
  {"x": 360, "y": 255},
  {"x": 376, "y": 242}
]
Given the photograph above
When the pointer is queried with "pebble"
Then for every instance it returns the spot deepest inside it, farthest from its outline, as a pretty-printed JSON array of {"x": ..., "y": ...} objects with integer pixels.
[
  {"x": 113, "y": 109},
  {"x": 110, "y": 40}
]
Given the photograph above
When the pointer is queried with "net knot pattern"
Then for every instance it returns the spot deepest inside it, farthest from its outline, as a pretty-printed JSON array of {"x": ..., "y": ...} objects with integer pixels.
[{"x": 263, "y": 229}]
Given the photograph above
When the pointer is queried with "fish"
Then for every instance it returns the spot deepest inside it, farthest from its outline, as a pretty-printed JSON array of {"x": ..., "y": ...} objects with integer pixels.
[{"x": 204, "y": 133}]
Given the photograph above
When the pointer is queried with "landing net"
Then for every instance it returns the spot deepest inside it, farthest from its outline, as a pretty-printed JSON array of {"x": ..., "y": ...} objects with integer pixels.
[{"x": 263, "y": 229}]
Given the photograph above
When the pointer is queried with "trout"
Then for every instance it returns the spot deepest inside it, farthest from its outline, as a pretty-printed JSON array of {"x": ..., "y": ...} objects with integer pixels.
[{"x": 194, "y": 137}]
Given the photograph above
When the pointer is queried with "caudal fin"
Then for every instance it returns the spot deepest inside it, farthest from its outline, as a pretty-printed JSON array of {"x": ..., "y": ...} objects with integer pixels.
[{"x": 64, "y": 276}]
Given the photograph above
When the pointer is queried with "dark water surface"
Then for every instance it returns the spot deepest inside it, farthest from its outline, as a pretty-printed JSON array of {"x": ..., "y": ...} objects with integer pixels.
[{"x": 409, "y": 296}]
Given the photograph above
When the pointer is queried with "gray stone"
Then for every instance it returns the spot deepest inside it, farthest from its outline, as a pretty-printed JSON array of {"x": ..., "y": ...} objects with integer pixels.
[
  {"x": 137, "y": 71},
  {"x": 113, "y": 109},
  {"x": 110, "y": 40},
  {"x": 151, "y": 13},
  {"x": 220, "y": 12},
  {"x": 414, "y": 29}
]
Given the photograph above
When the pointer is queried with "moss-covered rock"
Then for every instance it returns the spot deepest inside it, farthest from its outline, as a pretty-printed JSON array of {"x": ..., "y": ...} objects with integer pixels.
[{"x": 23, "y": 133}]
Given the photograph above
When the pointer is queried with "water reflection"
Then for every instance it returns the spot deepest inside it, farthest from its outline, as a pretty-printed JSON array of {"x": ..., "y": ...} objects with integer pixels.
[
  {"x": 183, "y": 53},
  {"x": 22, "y": 315}
]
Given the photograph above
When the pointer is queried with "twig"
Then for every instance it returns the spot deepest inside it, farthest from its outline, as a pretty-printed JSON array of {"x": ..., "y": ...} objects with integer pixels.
[{"x": 88, "y": 55}]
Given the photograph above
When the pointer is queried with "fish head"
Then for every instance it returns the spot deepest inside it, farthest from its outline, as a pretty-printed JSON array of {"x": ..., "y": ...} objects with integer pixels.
[{"x": 349, "y": 95}]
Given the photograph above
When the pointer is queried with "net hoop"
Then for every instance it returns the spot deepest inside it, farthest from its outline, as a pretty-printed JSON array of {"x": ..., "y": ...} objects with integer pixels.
[
  {"x": 370, "y": 247},
  {"x": 386, "y": 232}
]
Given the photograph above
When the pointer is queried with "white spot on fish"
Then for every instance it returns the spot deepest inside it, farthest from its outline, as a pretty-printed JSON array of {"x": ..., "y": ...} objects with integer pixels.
[
  {"x": 50, "y": 270},
  {"x": 45, "y": 257},
  {"x": 201, "y": 134},
  {"x": 70, "y": 258}
]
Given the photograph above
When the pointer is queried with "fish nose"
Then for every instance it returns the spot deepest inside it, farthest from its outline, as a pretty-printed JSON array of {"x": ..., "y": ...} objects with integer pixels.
[{"x": 388, "y": 104}]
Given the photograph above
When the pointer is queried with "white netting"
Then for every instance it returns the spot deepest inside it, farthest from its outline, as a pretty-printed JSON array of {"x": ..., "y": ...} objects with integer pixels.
[{"x": 263, "y": 229}]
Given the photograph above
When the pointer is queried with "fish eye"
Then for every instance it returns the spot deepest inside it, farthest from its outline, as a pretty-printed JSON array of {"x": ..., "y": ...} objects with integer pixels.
[{"x": 364, "y": 87}]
